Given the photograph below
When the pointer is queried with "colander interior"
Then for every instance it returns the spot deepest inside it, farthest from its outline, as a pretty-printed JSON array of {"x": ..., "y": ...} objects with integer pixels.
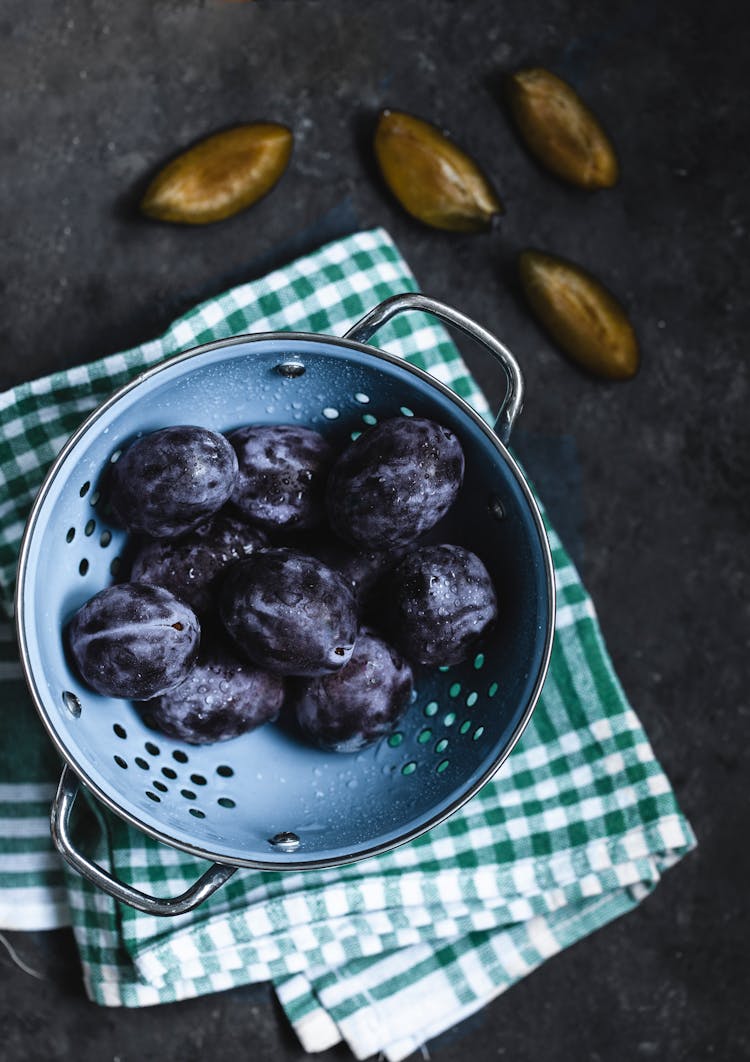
[{"x": 229, "y": 800}]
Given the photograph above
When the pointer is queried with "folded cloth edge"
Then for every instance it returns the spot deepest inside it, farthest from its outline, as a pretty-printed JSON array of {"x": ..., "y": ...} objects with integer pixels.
[{"x": 184, "y": 334}]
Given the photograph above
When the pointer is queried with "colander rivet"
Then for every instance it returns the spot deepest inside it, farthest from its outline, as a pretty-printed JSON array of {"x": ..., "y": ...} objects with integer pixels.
[
  {"x": 72, "y": 703},
  {"x": 291, "y": 369},
  {"x": 287, "y": 842},
  {"x": 496, "y": 507}
]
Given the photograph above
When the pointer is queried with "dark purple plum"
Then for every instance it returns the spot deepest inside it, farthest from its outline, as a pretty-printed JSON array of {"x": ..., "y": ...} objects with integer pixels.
[
  {"x": 355, "y": 707},
  {"x": 188, "y": 566},
  {"x": 394, "y": 483},
  {"x": 167, "y": 483},
  {"x": 133, "y": 641},
  {"x": 288, "y": 613},
  {"x": 221, "y": 698},
  {"x": 361, "y": 568},
  {"x": 439, "y": 601},
  {"x": 282, "y": 475}
]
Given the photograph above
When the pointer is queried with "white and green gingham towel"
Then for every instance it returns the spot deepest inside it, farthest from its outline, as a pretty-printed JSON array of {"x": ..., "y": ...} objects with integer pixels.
[{"x": 385, "y": 954}]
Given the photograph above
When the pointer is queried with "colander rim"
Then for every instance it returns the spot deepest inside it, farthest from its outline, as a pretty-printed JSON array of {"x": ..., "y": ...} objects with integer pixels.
[{"x": 322, "y": 863}]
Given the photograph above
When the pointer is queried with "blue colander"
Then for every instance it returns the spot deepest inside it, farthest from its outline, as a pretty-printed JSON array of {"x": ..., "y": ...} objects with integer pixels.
[{"x": 265, "y": 800}]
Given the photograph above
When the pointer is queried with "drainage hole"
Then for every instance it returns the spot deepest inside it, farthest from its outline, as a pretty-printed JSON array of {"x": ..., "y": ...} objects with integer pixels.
[
  {"x": 188, "y": 794},
  {"x": 151, "y": 748},
  {"x": 180, "y": 756},
  {"x": 121, "y": 762},
  {"x": 395, "y": 739},
  {"x": 198, "y": 779},
  {"x": 197, "y": 813},
  {"x": 106, "y": 538},
  {"x": 160, "y": 786},
  {"x": 84, "y": 489},
  {"x": 224, "y": 771},
  {"x": 71, "y": 534},
  {"x": 226, "y": 802},
  {"x": 143, "y": 764},
  {"x": 442, "y": 766},
  {"x": 89, "y": 528},
  {"x": 83, "y": 567},
  {"x": 153, "y": 796},
  {"x": 120, "y": 731},
  {"x": 409, "y": 768},
  {"x": 169, "y": 773}
]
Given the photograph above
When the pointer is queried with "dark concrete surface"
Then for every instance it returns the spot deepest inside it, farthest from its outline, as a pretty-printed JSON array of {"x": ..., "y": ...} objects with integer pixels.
[{"x": 97, "y": 94}]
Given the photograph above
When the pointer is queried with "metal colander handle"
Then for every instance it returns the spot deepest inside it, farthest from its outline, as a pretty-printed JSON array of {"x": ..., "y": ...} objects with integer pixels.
[
  {"x": 67, "y": 791},
  {"x": 513, "y": 401}
]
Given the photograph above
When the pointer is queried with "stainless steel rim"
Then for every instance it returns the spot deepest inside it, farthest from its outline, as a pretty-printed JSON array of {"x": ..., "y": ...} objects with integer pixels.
[{"x": 309, "y": 337}]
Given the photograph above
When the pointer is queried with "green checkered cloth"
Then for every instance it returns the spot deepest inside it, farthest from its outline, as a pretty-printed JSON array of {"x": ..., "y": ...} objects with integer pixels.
[{"x": 576, "y": 829}]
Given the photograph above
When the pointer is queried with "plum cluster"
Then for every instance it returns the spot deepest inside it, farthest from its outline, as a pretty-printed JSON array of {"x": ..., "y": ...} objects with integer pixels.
[{"x": 265, "y": 569}]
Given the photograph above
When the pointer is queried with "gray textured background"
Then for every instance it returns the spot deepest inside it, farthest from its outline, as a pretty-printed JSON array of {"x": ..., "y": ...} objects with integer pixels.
[{"x": 648, "y": 480}]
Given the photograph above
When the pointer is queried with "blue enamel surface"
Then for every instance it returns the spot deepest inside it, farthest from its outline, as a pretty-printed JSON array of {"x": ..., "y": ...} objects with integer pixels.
[{"x": 339, "y": 805}]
